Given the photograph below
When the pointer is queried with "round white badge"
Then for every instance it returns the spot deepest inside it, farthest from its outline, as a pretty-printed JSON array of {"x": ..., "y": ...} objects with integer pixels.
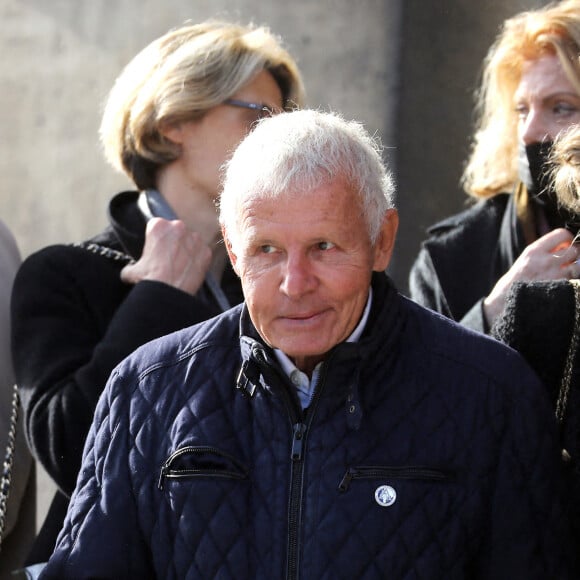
[{"x": 385, "y": 495}]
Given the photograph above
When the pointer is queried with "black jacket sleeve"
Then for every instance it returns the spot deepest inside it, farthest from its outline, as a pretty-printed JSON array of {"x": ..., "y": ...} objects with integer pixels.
[
  {"x": 462, "y": 259},
  {"x": 73, "y": 321}
]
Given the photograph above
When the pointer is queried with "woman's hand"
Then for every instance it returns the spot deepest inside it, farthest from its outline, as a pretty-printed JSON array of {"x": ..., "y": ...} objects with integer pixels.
[
  {"x": 551, "y": 257},
  {"x": 172, "y": 254}
]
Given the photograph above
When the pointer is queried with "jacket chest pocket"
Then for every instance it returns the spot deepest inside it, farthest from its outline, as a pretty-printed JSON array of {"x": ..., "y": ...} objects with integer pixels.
[
  {"x": 201, "y": 462},
  {"x": 409, "y": 520},
  {"x": 203, "y": 507},
  {"x": 387, "y": 504},
  {"x": 403, "y": 473}
]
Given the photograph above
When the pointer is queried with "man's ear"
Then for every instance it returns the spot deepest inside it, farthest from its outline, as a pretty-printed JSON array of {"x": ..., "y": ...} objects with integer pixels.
[
  {"x": 386, "y": 240},
  {"x": 230, "y": 251}
]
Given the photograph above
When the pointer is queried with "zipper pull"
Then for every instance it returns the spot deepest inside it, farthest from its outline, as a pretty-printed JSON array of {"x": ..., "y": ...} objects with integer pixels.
[
  {"x": 345, "y": 483},
  {"x": 162, "y": 475},
  {"x": 247, "y": 379},
  {"x": 299, "y": 430}
]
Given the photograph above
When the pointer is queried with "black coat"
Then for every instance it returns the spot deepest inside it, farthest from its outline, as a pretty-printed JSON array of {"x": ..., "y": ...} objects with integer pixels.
[
  {"x": 464, "y": 257},
  {"x": 539, "y": 322},
  {"x": 74, "y": 320}
]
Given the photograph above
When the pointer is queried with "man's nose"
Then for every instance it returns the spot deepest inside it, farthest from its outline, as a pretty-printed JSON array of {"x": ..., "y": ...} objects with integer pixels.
[{"x": 298, "y": 276}]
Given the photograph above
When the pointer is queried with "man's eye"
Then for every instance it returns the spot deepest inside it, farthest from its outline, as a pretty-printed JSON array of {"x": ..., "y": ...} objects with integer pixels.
[
  {"x": 267, "y": 249},
  {"x": 325, "y": 245}
]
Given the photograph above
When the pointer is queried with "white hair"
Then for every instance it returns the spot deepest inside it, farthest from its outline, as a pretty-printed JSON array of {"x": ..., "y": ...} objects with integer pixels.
[{"x": 297, "y": 152}]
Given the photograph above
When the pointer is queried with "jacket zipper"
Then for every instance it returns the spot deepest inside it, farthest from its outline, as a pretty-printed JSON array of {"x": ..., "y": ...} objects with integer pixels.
[
  {"x": 295, "y": 502},
  {"x": 404, "y": 472},
  {"x": 299, "y": 433},
  {"x": 300, "y": 422}
]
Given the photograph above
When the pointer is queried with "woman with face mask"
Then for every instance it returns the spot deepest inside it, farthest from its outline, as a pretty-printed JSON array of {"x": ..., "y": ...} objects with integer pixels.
[{"x": 530, "y": 92}]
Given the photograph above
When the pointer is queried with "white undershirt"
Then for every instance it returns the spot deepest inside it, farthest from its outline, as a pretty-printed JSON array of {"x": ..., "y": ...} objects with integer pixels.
[{"x": 300, "y": 380}]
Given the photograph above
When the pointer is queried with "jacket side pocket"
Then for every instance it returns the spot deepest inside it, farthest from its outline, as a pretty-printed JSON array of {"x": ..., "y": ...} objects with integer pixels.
[{"x": 201, "y": 461}]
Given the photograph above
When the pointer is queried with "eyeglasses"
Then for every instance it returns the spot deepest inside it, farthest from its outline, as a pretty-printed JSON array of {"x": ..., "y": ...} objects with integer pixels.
[{"x": 261, "y": 109}]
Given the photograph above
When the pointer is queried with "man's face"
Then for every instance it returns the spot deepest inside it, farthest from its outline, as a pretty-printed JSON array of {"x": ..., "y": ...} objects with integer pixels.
[{"x": 305, "y": 263}]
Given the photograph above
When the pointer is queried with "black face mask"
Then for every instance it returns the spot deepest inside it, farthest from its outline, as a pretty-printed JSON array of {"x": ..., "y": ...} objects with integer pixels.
[{"x": 533, "y": 170}]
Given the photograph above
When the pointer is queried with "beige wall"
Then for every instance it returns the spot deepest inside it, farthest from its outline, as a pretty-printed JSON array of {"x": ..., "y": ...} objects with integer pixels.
[{"x": 60, "y": 58}]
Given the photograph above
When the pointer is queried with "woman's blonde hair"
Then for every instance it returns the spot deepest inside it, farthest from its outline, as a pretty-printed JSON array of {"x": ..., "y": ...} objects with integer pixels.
[
  {"x": 554, "y": 29},
  {"x": 179, "y": 77},
  {"x": 565, "y": 160}
]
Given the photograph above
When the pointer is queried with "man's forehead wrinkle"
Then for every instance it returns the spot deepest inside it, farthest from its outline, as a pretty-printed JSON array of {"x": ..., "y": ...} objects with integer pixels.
[{"x": 260, "y": 209}]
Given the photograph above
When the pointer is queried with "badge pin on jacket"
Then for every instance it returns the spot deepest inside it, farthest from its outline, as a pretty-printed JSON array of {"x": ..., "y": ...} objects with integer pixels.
[{"x": 385, "y": 495}]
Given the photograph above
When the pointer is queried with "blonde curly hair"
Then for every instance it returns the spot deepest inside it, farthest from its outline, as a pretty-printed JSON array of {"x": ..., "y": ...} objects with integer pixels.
[{"x": 565, "y": 162}]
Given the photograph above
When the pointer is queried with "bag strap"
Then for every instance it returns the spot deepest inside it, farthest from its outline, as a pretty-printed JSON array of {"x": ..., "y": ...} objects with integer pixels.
[
  {"x": 104, "y": 251},
  {"x": 8, "y": 462},
  {"x": 117, "y": 256}
]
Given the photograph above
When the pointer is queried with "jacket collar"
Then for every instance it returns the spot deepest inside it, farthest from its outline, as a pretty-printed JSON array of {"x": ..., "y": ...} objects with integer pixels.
[
  {"x": 378, "y": 338},
  {"x": 126, "y": 230},
  {"x": 344, "y": 363},
  {"x": 128, "y": 222}
]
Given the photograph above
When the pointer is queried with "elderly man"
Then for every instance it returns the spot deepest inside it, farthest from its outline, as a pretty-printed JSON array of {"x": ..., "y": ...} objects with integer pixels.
[{"x": 326, "y": 428}]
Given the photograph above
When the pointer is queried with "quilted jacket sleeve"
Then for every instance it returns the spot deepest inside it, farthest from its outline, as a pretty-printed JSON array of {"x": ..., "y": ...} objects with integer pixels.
[
  {"x": 101, "y": 536},
  {"x": 73, "y": 322}
]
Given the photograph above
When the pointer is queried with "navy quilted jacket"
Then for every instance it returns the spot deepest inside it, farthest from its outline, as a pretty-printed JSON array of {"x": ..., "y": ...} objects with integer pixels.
[{"x": 428, "y": 452}]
